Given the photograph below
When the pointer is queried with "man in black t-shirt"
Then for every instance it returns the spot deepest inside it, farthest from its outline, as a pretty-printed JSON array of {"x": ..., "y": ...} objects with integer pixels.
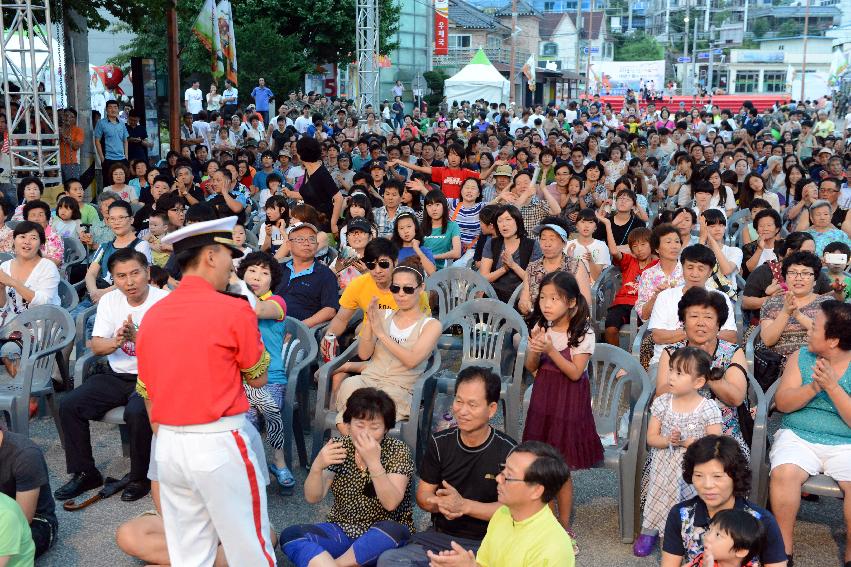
[
  {"x": 23, "y": 477},
  {"x": 457, "y": 474}
]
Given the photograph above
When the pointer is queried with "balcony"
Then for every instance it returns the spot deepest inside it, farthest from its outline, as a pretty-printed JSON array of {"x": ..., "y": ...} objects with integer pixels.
[{"x": 460, "y": 56}]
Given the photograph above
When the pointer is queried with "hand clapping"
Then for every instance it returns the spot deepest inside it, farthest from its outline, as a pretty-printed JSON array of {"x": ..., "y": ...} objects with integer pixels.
[{"x": 539, "y": 341}]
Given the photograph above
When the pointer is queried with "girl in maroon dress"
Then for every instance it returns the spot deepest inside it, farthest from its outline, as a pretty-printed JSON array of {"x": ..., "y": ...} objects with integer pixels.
[{"x": 560, "y": 345}]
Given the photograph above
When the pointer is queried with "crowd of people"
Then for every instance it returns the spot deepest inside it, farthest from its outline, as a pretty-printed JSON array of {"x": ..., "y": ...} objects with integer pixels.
[{"x": 320, "y": 211}]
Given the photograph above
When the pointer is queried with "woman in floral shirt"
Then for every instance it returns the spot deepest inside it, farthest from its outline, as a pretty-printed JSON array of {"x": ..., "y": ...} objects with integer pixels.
[
  {"x": 6, "y": 238},
  {"x": 722, "y": 478},
  {"x": 53, "y": 248}
]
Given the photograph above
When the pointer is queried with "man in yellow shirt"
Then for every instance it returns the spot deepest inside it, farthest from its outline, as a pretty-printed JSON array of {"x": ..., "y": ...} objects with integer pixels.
[
  {"x": 379, "y": 256},
  {"x": 524, "y": 532}
]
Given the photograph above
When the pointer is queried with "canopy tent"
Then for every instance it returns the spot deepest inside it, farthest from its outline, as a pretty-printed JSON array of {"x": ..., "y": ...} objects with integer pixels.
[{"x": 479, "y": 79}]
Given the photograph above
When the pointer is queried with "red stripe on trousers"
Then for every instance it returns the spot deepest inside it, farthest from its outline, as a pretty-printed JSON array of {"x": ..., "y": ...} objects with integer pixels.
[{"x": 255, "y": 493}]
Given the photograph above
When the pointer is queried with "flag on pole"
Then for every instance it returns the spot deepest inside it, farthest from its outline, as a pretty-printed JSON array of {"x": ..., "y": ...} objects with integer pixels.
[
  {"x": 529, "y": 70},
  {"x": 227, "y": 40},
  {"x": 214, "y": 29},
  {"x": 203, "y": 27},
  {"x": 838, "y": 65}
]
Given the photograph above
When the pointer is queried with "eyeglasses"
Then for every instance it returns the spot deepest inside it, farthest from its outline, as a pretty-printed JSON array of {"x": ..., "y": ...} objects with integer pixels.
[
  {"x": 304, "y": 240},
  {"x": 799, "y": 275},
  {"x": 407, "y": 289},
  {"x": 507, "y": 478},
  {"x": 117, "y": 219},
  {"x": 383, "y": 264},
  {"x": 826, "y": 190}
]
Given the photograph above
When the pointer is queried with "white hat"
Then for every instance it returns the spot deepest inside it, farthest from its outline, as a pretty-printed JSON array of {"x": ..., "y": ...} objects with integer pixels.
[
  {"x": 198, "y": 234},
  {"x": 300, "y": 225}
]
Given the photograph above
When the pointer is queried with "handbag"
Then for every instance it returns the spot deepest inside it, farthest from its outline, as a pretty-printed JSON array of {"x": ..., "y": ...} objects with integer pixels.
[{"x": 766, "y": 366}]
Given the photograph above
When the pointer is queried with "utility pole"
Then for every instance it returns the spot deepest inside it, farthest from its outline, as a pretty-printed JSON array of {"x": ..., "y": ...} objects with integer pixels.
[
  {"x": 686, "y": 75},
  {"x": 513, "y": 54},
  {"x": 693, "y": 63},
  {"x": 579, "y": 27},
  {"x": 173, "y": 78},
  {"x": 804, "y": 54}
]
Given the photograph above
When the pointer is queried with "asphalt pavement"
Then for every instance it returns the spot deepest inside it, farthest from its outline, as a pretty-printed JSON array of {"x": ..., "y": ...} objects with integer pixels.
[{"x": 87, "y": 537}]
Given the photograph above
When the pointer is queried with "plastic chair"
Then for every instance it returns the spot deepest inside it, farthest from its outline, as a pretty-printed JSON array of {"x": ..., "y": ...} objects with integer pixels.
[
  {"x": 602, "y": 295},
  {"x": 251, "y": 240},
  {"x": 75, "y": 252},
  {"x": 455, "y": 286},
  {"x": 735, "y": 222},
  {"x": 84, "y": 367},
  {"x": 488, "y": 331},
  {"x": 613, "y": 400},
  {"x": 68, "y": 295},
  {"x": 750, "y": 346},
  {"x": 298, "y": 354},
  {"x": 45, "y": 330},
  {"x": 821, "y": 485},
  {"x": 409, "y": 431}
]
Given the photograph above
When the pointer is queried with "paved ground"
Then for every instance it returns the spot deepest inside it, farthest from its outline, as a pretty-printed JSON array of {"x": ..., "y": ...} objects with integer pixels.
[{"x": 87, "y": 536}]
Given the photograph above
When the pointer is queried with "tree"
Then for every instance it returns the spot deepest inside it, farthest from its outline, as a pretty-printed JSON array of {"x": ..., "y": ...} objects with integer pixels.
[
  {"x": 279, "y": 40},
  {"x": 760, "y": 26},
  {"x": 435, "y": 80},
  {"x": 790, "y": 28},
  {"x": 637, "y": 47}
]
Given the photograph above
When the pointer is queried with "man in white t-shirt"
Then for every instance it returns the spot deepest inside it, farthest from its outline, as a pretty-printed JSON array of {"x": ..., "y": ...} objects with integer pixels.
[
  {"x": 193, "y": 98},
  {"x": 697, "y": 261},
  {"x": 113, "y": 383},
  {"x": 304, "y": 120}
]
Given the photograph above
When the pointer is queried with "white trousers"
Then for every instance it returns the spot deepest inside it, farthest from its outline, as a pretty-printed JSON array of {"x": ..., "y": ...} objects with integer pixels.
[{"x": 213, "y": 491}]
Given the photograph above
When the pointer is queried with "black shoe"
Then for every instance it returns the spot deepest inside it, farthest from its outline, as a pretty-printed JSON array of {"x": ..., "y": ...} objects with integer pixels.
[
  {"x": 135, "y": 490},
  {"x": 79, "y": 483}
]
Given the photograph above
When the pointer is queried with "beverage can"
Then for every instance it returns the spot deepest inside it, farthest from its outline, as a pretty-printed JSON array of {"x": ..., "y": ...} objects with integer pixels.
[{"x": 331, "y": 350}]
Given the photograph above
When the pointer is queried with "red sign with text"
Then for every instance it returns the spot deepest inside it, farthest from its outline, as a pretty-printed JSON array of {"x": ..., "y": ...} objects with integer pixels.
[{"x": 441, "y": 27}]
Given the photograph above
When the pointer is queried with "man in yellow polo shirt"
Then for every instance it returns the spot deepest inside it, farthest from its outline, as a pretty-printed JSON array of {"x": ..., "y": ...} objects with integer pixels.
[
  {"x": 380, "y": 259},
  {"x": 524, "y": 532}
]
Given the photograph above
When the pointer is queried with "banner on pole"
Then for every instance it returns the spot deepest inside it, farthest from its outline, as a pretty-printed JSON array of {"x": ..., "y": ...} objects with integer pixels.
[
  {"x": 227, "y": 40},
  {"x": 214, "y": 29},
  {"x": 441, "y": 27}
]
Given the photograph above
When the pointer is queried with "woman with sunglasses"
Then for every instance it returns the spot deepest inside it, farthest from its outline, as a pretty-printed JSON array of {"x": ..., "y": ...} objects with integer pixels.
[
  {"x": 394, "y": 343},
  {"x": 370, "y": 476}
]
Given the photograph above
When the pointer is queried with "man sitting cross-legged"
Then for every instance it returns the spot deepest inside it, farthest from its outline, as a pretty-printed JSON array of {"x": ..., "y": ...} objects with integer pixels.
[{"x": 119, "y": 314}]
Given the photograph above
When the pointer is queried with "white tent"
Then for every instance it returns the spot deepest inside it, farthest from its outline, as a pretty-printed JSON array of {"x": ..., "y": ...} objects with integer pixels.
[{"x": 479, "y": 79}]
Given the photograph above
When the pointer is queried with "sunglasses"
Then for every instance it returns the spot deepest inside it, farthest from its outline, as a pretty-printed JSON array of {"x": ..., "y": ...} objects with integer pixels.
[
  {"x": 383, "y": 264},
  {"x": 407, "y": 289}
]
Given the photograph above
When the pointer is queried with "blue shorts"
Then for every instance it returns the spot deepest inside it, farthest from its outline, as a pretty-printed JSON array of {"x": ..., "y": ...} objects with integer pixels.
[{"x": 301, "y": 543}]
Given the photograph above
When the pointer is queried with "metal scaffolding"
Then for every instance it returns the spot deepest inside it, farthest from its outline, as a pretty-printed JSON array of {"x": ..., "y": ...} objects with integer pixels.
[
  {"x": 366, "y": 30},
  {"x": 29, "y": 89}
]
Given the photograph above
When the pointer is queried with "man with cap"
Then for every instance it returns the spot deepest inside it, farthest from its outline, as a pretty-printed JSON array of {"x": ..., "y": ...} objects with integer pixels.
[
  {"x": 822, "y": 157},
  {"x": 501, "y": 180},
  {"x": 209, "y": 473},
  {"x": 309, "y": 288}
]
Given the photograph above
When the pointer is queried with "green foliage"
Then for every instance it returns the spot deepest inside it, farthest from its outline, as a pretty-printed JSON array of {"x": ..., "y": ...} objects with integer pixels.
[
  {"x": 434, "y": 80},
  {"x": 790, "y": 28},
  {"x": 760, "y": 27},
  {"x": 277, "y": 39},
  {"x": 637, "y": 47},
  {"x": 133, "y": 12}
]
